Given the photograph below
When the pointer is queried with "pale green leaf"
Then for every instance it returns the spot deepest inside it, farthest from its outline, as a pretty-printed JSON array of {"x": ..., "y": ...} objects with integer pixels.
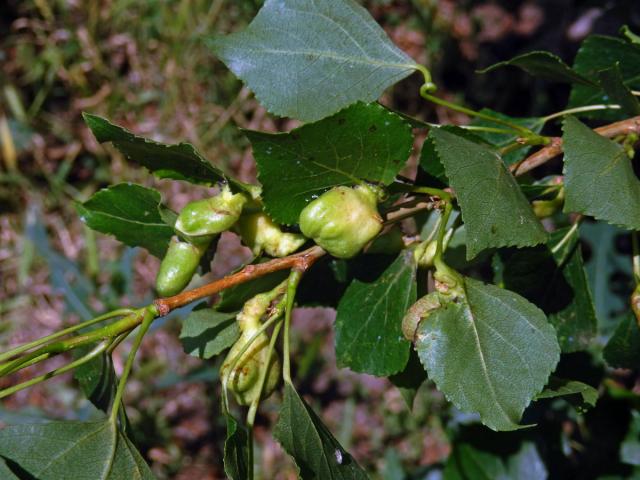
[
  {"x": 526, "y": 464},
  {"x": 73, "y": 450},
  {"x": 130, "y": 213},
  {"x": 369, "y": 319},
  {"x": 490, "y": 353},
  {"x": 315, "y": 450},
  {"x": 362, "y": 142},
  {"x": 599, "y": 178},
  {"x": 494, "y": 209},
  {"x": 630, "y": 448},
  {"x": 307, "y": 60}
]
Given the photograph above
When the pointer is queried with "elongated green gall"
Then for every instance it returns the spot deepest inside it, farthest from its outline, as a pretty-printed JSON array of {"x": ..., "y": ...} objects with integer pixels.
[
  {"x": 242, "y": 374},
  {"x": 203, "y": 219},
  {"x": 342, "y": 220},
  {"x": 261, "y": 234},
  {"x": 177, "y": 267},
  {"x": 418, "y": 312}
]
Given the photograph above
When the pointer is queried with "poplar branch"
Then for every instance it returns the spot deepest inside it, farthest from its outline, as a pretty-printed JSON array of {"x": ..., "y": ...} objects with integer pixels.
[
  {"x": 301, "y": 261},
  {"x": 624, "y": 127}
]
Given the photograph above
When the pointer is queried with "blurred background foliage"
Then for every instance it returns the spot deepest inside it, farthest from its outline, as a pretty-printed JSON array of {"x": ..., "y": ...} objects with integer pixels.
[{"x": 144, "y": 66}]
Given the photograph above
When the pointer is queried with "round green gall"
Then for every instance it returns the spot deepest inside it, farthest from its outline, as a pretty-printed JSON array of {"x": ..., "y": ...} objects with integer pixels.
[
  {"x": 342, "y": 220},
  {"x": 202, "y": 219},
  {"x": 261, "y": 234},
  {"x": 177, "y": 267}
]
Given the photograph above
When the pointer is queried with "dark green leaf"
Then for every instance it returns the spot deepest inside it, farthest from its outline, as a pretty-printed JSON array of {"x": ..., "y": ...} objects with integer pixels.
[
  {"x": 5, "y": 472},
  {"x": 206, "y": 332},
  {"x": 612, "y": 83},
  {"x": 408, "y": 381},
  {"x": 599, "y": 178},
  {"x": 494, "y": 209},
  {"x": 432, "y": 171},
  {"x": 526, "y": 464},
  {"x": 490, "y": 352},
  {"x": 315, "y": 450},
  {"x": 232, "y": 299},
  {"x": 599, "y": 53},
  {"x": 469, "y": 463},
  {"x": 623, "y": 348},
  {"x": 369, "y": 320},
  {"x": 500, "y": 140},
  {"x": 130, "y": 213},
  {"x": 544, "y": 65},
  {"x": 630, "y": 448},
  {"x": 364, "y": 141},
  {"x": 553, "y": 277},
  {"x": 179, "y": 161},
  {"x": 97, "y": 379},
  {"x": 307, "y": 60},
  {"x": 65, "y": 450},
  {"x": 236, "y": 450},
  {"x": 559, "y": 387}
]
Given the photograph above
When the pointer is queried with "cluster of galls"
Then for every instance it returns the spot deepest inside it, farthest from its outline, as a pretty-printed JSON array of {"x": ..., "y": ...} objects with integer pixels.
[{"x": 342, "y": 221}]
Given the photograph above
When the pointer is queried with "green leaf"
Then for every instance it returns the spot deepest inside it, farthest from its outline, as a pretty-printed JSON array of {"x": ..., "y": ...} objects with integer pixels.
[
  {"x": 315, "y": 450},
  {"x": 543, "y": 65},
  {"x": 178, "y": 161},
  {"x": 64, "y": 450},
  {"x": 130, "y": 213},
  {"x": 559, "y": 387},
  {"x": 623, "y": 348},
  {"x": 369, "y": 320},
  {"x": 307, "y": 60},
  {"x": 236, "y": 450},
  {"x": 494, "y": 209},
  {"x": 206, "y": 332},
  {"x": 613, "y": 84},
  {"x": 599, "y": 53},
  {"x": 553, "y": 277},
  {"x": 232, "y": 299},
  {"x": 409, "y": 380},
  {"x": 630, "y": 448},
  {"x": 5, "y": 472},
  {"x": 362, "y": 142},
  {"x": 97, "y": 379},
  {"x": 599, "y": 178},
  {"x": 467, "y": 462},
  {"x": 490, "y": 352},
  {"x": 500, "y": 140}
]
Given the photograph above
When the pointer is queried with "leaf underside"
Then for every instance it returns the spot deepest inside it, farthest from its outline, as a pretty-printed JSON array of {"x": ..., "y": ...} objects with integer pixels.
[{"x": 307, "y": 60}]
